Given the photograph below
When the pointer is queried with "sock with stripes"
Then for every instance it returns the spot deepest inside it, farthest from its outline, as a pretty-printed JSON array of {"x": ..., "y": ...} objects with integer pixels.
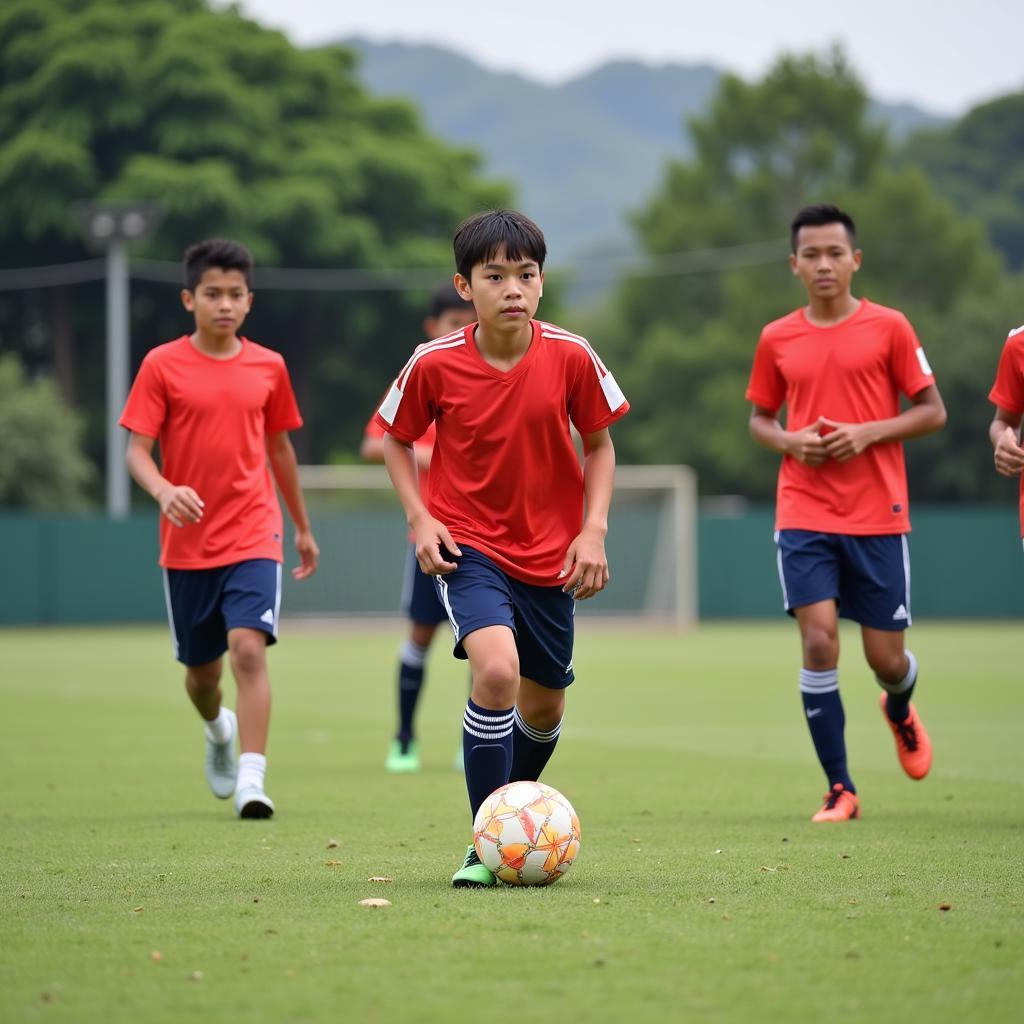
[
  {"x": 411, "y": 661},
  {"x": 897, "y": 704},
  {"x": 487, "y": 751},
  {"x": 827, "y": 722},
  {"x": 531, "y": 748}
]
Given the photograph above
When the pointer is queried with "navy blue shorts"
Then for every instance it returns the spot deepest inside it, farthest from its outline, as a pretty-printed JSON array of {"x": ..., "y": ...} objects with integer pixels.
[
  {"x": 479, "y": 594},
  {"x": 868, "y": 577},
  {"x": 420, "y": 602},
  {"x": 203, "y": 604}
]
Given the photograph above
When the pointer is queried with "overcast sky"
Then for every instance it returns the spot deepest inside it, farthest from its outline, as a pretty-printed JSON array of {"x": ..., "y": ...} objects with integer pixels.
[{"x": 943, "y": 55}]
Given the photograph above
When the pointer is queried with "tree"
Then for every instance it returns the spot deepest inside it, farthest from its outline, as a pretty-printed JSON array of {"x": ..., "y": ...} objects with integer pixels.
[
  {"x": 685, "y": 344},
  {"x": 238, "y": 133},
  {"x": 42, "y": 466},
  {"x": 978, "y": 164}
]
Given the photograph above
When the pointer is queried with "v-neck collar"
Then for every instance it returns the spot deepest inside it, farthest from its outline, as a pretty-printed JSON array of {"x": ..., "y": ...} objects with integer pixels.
[{"x": 493, "y": 371}]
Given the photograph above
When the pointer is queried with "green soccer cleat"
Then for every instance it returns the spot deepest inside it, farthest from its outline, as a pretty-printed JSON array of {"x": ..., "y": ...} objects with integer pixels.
[
  {"x": 401, "y": 762},
  {"x": 252, "y": 802},
  {"x": 473, "y": 874},
  {"x": 222, "y": 762}
]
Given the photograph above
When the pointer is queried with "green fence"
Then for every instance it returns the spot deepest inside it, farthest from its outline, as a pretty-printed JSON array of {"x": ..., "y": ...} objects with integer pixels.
[{"x": 966, "y": 564}]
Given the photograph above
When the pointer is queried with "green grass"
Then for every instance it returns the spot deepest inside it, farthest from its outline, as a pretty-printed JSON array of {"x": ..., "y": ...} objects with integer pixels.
[{"x": 702, "y": 891}]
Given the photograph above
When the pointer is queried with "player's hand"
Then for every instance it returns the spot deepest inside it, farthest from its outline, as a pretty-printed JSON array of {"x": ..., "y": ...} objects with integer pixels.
[
  {"x": 180, "y": 504},
  {"x": 586, "y": 565},
  {"x": 431, "y": 538},
  {"x": 844, "y": 441},
  {"x": 309, "y": 553},
  {"x": 807, "y": 445},
  {"x": 1009, "y": 455}
]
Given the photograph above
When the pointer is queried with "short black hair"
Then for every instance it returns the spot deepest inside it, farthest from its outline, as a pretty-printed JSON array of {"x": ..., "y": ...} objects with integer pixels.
[
  {"x": 818, "y": 215},
  {"x": 478, "y": 239},
  {"x": 445, "y": 297},
  {"x": 216, "y": 252}
]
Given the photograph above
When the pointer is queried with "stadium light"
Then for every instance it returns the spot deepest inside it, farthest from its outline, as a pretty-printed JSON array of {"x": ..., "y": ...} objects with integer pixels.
[{"x": 112, "y": 227}]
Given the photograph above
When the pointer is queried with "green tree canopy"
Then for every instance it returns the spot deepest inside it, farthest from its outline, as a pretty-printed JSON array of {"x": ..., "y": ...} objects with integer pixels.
[
  {"x": 685, "y": 344},
  {"x": 978, "y": 163},
  {"x": 42, "y": 466},
  {"x": 238, "y": 133}
]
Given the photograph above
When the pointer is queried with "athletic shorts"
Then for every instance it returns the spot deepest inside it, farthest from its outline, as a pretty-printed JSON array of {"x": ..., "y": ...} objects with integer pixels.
[
  {"x": 479, "y": 594},
  {"x": 203, "y": 604},
  {"x": 420, "y": 602},
  {"x": 867, "y": 577}
]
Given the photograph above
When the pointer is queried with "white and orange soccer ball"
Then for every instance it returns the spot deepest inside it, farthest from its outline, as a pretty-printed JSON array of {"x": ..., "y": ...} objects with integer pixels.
[{"x": 527, "y": 834}]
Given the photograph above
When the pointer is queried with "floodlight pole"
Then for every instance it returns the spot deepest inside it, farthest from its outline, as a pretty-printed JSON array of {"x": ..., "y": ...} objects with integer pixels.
[
  {"x": 110, "y": 226},
  {"x": 118, "y": 494}
]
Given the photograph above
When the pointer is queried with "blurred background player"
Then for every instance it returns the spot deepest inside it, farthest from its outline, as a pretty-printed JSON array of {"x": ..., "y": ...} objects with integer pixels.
[
  {"x": 220, "y": 407},
  {"x": 449, "y": 312},
  {"x": 1007, "y": 395},
  {"x": 514, "y": 528},
  {"x": 839, "y": 365}
]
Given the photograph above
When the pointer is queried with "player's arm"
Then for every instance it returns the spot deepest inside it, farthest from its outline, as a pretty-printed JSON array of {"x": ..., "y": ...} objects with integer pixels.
[
  {"x": 926, "y": 414},
  {"x": 178, "y": 502},
  {"x": 586, "y": 563},
  {"x": 285, "y": 467},
  {"x": 372, "y": 450},
  {"x": 1003, "y": 433},
  {"x": 805, "y": 445},
  {"x": 430, "y": 534}
]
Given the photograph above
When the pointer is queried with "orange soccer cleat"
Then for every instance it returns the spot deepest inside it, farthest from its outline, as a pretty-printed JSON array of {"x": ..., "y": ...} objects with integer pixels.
[
  {"x": 913, "y": 747},
  {"x": 840, "y": 805}
]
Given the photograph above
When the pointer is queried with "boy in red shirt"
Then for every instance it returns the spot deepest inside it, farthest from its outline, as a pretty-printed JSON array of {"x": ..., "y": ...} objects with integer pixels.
[
  {"x": 220, "y": 407},
  {"x": 449, "y": 312},
  {"x": 839, "y": 365},
  {"x": 1007, "y": 395},
  {"x": 513, "y": 528}
]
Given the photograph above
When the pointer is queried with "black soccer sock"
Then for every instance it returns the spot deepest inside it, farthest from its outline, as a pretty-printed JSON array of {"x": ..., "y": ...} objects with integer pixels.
[
  {"x": 531, "y": 749},
  {"x": 487, "y": 751},
  {"x": 411, "y": 662},
  {"x": 827, "y": 722},
  {"x": 897, "y": 703}
]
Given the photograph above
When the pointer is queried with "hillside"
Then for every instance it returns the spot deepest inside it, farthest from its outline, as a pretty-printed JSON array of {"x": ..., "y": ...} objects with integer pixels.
[{"x": 581, "y": 155}]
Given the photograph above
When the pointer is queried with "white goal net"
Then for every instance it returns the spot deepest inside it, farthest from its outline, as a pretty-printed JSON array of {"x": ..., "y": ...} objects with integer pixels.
[{"x": 652, "y": 545}]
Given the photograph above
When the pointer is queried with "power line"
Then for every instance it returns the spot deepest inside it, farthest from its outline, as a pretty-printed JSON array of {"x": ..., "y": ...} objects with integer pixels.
[{"x": 676, "y": 264}]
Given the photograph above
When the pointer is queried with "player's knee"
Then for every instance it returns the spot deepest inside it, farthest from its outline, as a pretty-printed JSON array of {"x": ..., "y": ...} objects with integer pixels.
[
  {"x": 203, "y": 678},
  {"x": 890, "y": 666},
  {"x": 496, "y": 680},
  {"x": 248, "y": 653},
  {"x": 821, "y": 648}
]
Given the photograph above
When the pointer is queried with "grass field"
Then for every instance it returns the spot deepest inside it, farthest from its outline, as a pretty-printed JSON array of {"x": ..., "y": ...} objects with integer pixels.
[{"x": 702, "y": 892}]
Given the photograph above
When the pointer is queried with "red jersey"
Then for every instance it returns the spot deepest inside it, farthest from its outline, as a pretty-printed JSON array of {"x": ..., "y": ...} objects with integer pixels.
[
  {"x": 505, "y": 477},
  {"x": 1008, "y": 390},
  {"x": 851, "y": 372},
  {"x": 211, "y": 418}
]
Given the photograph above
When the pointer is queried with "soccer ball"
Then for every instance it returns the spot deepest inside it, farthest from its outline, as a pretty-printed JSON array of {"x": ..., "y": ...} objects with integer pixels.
[{"x": 527, "y": 833}]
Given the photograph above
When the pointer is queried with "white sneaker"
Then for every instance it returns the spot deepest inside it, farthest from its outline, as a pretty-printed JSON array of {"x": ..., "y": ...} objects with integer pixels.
[
  {"x": 222, "y": 762},
  {"x": 252, "y": 802}
]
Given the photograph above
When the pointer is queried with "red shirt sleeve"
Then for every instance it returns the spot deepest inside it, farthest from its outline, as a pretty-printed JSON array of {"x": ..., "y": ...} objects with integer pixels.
[
  {"x": 146, "y": 408},
  {"x": 410, "y": 405},
  {"x": 595, "y": 400},
  {"x": 1008, "y": 390},
  {"x": 767, "y": 386},
  {"x": 910, "y": 367},
  {"x": 282, "y": 409}
]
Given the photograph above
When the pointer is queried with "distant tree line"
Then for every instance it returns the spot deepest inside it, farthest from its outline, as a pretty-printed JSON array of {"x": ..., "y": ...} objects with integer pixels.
[
  {"x": 682, "y": 347},
  {"x": 237, "y": 132}
]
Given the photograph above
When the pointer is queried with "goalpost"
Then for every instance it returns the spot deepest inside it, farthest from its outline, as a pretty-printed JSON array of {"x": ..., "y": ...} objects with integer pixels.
[{"x": 652, "y": 545}]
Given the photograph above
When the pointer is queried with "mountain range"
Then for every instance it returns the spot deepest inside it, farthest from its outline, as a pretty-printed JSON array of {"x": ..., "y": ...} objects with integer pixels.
[{"x": 580, "y": 155}]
